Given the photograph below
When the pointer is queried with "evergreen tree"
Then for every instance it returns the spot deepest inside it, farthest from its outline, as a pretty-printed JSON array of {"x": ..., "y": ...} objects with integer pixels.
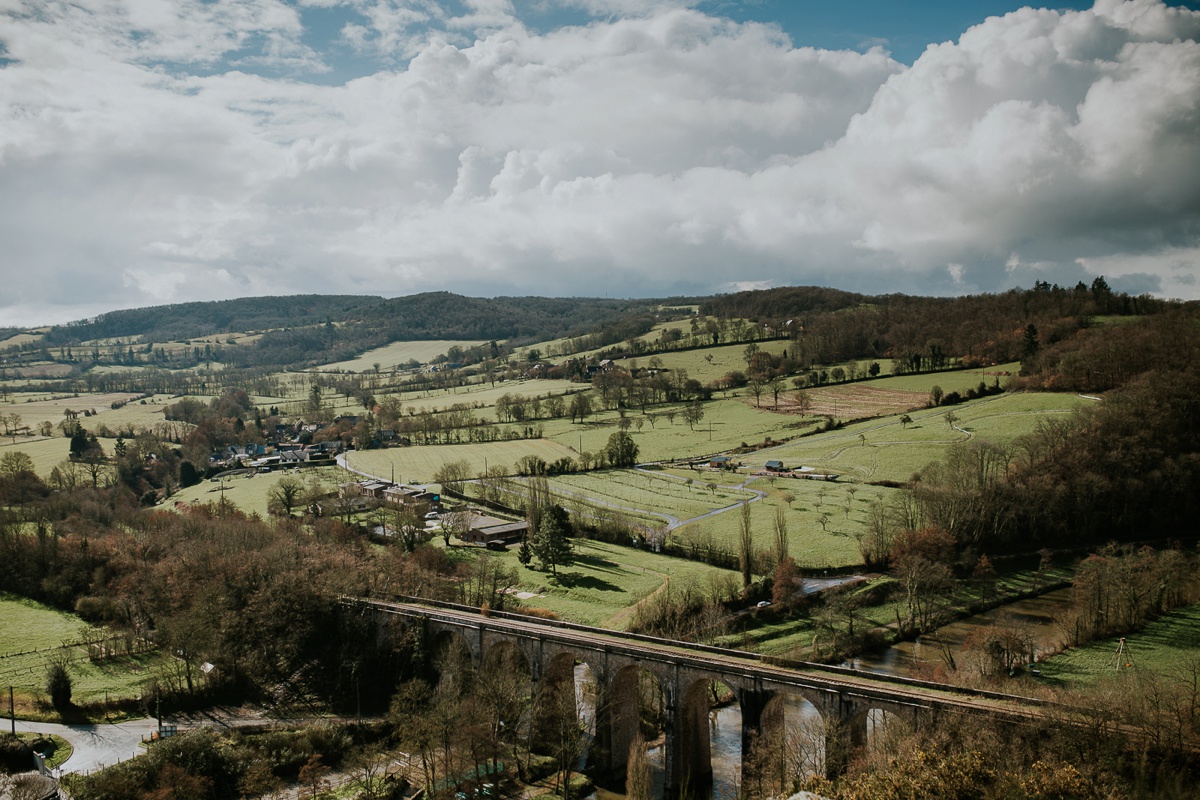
[
  {"x": 1029, "y": 342},
  {"x": 551, "y": 544}
]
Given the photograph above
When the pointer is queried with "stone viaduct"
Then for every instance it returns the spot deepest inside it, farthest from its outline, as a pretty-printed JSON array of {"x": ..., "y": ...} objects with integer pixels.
[{"x": 847, "y": 700}]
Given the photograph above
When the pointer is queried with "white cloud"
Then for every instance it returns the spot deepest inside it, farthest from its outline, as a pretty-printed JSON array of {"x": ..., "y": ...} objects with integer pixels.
[{"x": 659, "y": 151}]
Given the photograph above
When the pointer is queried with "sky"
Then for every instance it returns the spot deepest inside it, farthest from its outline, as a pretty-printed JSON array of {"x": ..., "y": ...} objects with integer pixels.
[{"x": 163, "y": 151}]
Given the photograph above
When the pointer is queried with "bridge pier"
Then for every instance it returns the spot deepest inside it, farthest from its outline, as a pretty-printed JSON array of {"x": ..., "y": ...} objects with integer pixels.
[
  {"x": 754, "y": 703},
  {"x": 845, "y": 730},
  {"x": 844, "y": 702}
]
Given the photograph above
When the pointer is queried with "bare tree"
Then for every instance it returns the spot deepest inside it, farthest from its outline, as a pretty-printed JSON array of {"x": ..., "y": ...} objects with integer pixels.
[
  {"x": 284, "y": 496},
  {"x": 638, "y": 783},
  {"x": 780, "y": 530},
  {"x": 745, "y": 545},
  {"x": 455, "y": 523}
]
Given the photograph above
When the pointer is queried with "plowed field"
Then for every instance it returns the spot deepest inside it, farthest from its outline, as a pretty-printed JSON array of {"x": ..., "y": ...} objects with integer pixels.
[{"x": 856, "y": 401}]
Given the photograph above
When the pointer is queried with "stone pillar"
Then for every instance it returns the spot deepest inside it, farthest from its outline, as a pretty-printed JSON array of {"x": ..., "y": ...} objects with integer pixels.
[
  {"x": 623, "y": 717},
  {"x": 601, "y": 757},
  {"x": 674, "y": 777},
  {"x": 754, "y": 704},
  {"x": 846, "y": 730}
]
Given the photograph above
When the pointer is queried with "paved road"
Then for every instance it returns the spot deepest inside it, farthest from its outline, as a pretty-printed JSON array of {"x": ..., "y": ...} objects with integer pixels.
[{"x": 96, "y": 746}]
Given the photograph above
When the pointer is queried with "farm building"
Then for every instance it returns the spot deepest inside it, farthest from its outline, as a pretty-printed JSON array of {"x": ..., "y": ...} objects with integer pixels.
[
  {"x": 491, "y": 531},
  {"x": 372, "y": 489},
  {"x": 410, "y": 495},
  {"x": 775, "y": 466}
]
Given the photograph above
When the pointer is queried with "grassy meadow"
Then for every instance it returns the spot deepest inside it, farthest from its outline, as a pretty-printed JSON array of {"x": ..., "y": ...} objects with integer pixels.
[
  {"x": 31, "y": 634},
  {"x": 397, "y": 354},
  {"x": 727, "y": 424},
  {"x": 822, "y": 519},
  {"x": 883, "y": 449},
  {"x": 647, "y": 490},
  {"x": 248, "y": 490},
  {"x": 605, "y": 581},
  {"x": 418, "y": 464},
  {"x": 1166, "y": 646}
]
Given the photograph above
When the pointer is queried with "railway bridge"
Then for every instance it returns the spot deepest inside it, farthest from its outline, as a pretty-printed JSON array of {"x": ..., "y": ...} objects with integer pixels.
[{"x": 848, "y": 701}]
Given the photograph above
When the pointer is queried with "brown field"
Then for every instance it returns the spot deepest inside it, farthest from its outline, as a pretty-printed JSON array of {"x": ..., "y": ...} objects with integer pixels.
[
  {"x": 41, "y": 369},
  {"x": 33, "y": 413},
  {"x": 853, "y": 401},
  {"x": 20, "y": 339}
]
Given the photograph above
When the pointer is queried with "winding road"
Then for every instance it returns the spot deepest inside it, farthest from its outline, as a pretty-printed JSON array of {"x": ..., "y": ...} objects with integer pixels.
[{"x": 95, "y": 746}]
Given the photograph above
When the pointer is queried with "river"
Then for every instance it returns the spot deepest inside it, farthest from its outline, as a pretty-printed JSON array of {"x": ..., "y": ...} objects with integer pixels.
[{"x": 906, "y": 658}]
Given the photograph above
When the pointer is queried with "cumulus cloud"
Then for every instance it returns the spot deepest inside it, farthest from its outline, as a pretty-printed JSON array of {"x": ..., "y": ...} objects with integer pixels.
[{"x": 653, "y": 151}]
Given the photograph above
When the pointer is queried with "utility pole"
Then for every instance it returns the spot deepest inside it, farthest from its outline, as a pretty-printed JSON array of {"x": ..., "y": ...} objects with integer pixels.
[{"x": 12, "y": 711}]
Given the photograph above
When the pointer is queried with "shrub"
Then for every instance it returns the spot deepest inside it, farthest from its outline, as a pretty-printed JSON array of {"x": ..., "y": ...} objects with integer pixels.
[
  {"x": 16, "y": 755},
  {"x": 58, "y": 686}
]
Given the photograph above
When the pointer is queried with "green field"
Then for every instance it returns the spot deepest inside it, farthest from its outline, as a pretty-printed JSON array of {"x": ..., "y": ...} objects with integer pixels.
[
  {"x": 955, "y": 381},
  {"x": 890, "y": 451},
  {"x": 45, "y": 452},
  {"x": 248, "y": 490},
  {"x": 727, "y": 424},
  {"x": 397, "y": 353},
  {"x": 605, "y": 581},
  {"x": 552, "y": 350},
  {"x": 710, "y": 363},
  {"x": 806, "y": 503},
  {"x": 35, "y": 410},
  {"x": 418, "y": 464},
  {"x": 483, "y": 394},
  {"x": 650, "y": 491},
  {"x": 1166, "y": 646},
  {"x": 32, "y": 634}
]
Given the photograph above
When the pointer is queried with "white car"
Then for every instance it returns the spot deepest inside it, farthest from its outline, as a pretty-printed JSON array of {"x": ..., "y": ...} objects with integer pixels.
[{"x": 433, "y": 515}]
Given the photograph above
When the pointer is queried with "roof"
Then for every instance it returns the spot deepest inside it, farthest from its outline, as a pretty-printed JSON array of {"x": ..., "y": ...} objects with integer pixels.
[{"x": 496, "y": 530}]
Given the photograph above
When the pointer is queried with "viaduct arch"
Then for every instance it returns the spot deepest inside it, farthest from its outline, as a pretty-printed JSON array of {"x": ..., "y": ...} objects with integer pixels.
[{"x": 845, "y": 699}]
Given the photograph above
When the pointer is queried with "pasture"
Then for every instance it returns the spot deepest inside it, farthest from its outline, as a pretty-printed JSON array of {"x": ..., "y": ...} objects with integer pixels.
[
  {"x": 727, "y": 424},
  {"x": 46, "y": 452},
  {"x": 248, "y": 490},
  {"x": 398, "y": 354},
  {"x": 25, "y": 337},
  {"x": 952, "y": 381},
  {"x": 606, "y": 581},
  {"x": 418, "y": 464},
  {"x": 31, "y": 634},
  {"x": 711, "y": 363},
  {"x": 551, "y": 350},
  {"x": 1168, "y": 646},
  {"x": 644, "y": 490},
  {"x": 823, "y": 520},
  {"x": 484, "y": 394},
  {"x": 883, "y": 449},
  {"x": 36, "y": 409}
]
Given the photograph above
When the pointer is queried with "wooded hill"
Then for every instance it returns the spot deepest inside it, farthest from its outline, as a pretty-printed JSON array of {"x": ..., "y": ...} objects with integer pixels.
[
  {"x": 826, "y": 326},
  {"x": 315, "y": 329},
  {"x": 984, "y": 328}
]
